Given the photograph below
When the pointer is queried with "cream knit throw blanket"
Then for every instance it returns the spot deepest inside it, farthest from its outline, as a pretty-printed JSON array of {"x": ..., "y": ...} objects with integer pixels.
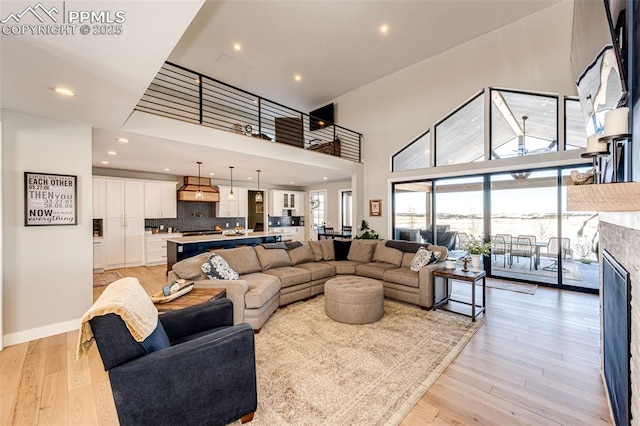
[{"x": 130, "y": 301}]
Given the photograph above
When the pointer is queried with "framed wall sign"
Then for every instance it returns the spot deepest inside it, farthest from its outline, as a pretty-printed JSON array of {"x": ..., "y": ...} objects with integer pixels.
[
  {"x": 375, "y": 207},
  {"x": 50, "y": 199}
]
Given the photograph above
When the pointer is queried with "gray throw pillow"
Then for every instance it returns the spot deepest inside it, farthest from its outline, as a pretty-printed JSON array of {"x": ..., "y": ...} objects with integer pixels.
[
  {"x": 423, "y": 257},
  {"x": 216, "y": 268}
]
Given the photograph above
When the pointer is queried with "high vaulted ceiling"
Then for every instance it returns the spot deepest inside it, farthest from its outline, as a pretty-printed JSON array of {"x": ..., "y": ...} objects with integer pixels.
[{"x": 335, "y": 46}]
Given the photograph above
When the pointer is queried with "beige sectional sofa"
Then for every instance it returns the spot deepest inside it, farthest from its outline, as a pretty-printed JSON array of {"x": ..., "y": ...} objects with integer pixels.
[{"x": 272, "y": 277}]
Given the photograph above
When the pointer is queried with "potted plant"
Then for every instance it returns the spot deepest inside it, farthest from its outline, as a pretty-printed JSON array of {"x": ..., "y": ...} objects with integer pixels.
[
  {"x": 367, "y": 233},
  {"x": 477, "y": 247}
]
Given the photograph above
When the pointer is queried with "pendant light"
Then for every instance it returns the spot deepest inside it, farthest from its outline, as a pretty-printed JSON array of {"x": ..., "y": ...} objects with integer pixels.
[
  {"x": 199, "y": 194},
  {"x": 232, "y": 196},
  {"x": 259, "y": 193}
]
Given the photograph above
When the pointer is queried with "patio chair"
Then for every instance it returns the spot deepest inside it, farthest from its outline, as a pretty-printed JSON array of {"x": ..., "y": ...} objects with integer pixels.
[
  {"x": 507, "y": 238},
  {"x": 463, "y": 240},
  {"x": 499, "y": 246},
  {"x": 531, "y": 238},
  {"x": 566, "y": 248},
  {"x": 554, "y": 250},
  {"x": 522, "y": 247}
]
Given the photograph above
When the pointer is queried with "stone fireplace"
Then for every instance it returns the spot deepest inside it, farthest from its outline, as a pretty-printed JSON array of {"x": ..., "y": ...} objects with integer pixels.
[{"x": 620, "y": 236}]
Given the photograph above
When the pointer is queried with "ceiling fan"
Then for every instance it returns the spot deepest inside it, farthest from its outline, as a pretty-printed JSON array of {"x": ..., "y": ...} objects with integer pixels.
[{"x": 522, "y": 148}]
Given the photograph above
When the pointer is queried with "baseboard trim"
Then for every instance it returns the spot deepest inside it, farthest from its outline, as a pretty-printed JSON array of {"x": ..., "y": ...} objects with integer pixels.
[{"x": 40, "y": 332}]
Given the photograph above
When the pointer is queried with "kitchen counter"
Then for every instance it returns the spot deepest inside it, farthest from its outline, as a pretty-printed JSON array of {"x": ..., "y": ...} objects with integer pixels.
[
  {"x": 222, "y": 237},
  {"x": 185, "y": 247}
]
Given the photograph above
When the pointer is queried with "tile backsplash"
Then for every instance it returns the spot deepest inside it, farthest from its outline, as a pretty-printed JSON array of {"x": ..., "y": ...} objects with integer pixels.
[{"x": 194, "y": 215}]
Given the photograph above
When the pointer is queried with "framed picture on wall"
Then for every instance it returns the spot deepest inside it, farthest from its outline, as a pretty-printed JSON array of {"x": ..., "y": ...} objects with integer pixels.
[
  {"x": 375, "y": 207},
  {"x": 50, "y": 199},
  {"x": 259, "y": 207}
]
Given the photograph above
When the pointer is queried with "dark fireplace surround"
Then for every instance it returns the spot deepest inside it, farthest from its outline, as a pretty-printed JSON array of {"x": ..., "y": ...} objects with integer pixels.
[{"x": 619, "y": 317}]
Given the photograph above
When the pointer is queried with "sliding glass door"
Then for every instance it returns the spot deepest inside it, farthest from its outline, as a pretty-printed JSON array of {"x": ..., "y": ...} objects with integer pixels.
[
  {"x": 411, "y": 210},
  {"x": 459, "y": 212}
]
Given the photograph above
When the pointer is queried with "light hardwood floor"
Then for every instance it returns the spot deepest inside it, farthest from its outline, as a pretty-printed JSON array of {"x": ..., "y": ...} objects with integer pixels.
[{"x": 535, "y": 361}]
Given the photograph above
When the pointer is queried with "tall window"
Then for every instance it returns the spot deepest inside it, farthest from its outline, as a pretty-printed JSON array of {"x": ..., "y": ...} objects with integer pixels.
[
  {"x": 318, "y": 210},
  {"x": 413, "y": 156},
  {"x": 412, "y": 209},
  {"x": 459, "y": 138},
  {"x": 346, "y": 207},
  {"x": 522, "y": 124},
  {"x": 575, "y": 133}
]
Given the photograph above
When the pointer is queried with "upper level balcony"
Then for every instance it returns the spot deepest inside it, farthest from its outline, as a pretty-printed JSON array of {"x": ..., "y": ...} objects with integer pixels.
[{"x": 186, "y": 95}]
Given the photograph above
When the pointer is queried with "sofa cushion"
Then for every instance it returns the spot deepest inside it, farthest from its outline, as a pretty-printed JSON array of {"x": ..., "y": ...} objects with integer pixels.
[
  {"x": 374, "y": 269},
  {"x": 318, "y": 270},
  {"x": 317, "y": 250},
  {"x": 343, "y": 267},
  {"x": 362, "y": 251},
  {"x": 191, "y": 267},
  {"x": 216, "y": 268},
  {"x": 404, "y": 276},
  {"x": 341, "y": 249},
  {"x": 262, "y": 287},
  {"x": 423, "y": 257},
  {"x": 385, "y": 254},
  {"x": 328, "y": 253},
  {"x": 290, "y": 276},
  {"x": 243, "y": 260},
  {"x": 272, "y": 258},
  {"x": 406, "y": 259},
  {"x": 412, "y": 247},
  {"x": 301, "y": 254}
]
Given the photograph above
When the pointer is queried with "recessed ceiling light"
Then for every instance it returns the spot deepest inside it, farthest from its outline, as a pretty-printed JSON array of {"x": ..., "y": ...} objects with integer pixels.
[
  {"x": 166, "y": 169},
  {"x": 297, "y": 77},
  {"x": 237, "y": 47},
  {"x": 64, "y": 91},
  {"x": 249, "y": 178},
  {"x": 384, "y": 28},
  {"x": 291, "y": 183},
  {"x": 325, "y": 178},
  {"x": 112, "y": 153},
  {"x": 123, "y": 140},
  {"x": 255, "y": 101},
  {"x": 197, "y": 80},
  {"x": 212, "y": 174},
  {"x": 104, "y": 162}
]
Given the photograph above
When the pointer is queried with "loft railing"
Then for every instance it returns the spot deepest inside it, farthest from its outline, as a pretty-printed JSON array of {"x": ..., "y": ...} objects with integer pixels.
[{"x": 179, "y": 93}]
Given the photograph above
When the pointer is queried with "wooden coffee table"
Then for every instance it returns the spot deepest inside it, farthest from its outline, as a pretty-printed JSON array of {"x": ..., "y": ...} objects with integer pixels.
[
  {"x": 471, "y": 277},
  {"x": 194, "y": 297}
]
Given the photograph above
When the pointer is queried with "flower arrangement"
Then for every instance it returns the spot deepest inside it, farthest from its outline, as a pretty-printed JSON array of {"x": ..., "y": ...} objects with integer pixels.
[{"x": 478, "y": 246}]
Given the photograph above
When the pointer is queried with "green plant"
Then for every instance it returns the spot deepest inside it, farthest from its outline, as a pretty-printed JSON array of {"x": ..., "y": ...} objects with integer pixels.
[
  {"x": 478, "y": 246},
  {"x": 366, "y": 232}
]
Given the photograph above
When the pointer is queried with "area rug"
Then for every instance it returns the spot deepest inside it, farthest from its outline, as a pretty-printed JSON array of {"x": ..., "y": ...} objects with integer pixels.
[
  {"x": 316, "y": 371},
  {"x": 105, "y": 278},
  {"x": 512, "y": 286}
]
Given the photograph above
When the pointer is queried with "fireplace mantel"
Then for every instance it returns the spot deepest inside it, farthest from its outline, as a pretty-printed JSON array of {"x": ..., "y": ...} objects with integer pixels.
[{"x": 606, "y": 197}]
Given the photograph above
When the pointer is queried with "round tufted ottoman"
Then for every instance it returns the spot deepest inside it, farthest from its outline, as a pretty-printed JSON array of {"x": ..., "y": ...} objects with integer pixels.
[{"x": 354, "y": 300}]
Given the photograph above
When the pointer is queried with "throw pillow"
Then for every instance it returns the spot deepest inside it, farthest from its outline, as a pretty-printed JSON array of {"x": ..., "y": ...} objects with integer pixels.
[
  {"x": 423, "y": 257},
  {"x": 341, "y": 249},
  {"x": 216, "y": 268}
]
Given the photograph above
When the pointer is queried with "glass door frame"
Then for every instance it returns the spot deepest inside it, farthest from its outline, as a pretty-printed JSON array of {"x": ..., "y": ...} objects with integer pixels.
[{"x": 487, "y": 218}]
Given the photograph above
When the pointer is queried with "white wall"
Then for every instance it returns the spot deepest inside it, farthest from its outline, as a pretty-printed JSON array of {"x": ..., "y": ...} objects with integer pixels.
[
  {"x": 47, "y": 269},
  {"x": 530, "y": 54}
]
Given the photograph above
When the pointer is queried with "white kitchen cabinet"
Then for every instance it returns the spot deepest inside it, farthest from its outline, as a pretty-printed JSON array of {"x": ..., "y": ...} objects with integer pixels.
[
  {"x": 286, "y": 200},
  {"x": 156, "y": 248},
  {"x": 235, "y": 208},
  {"x": 98, "y": 254},
  {"x": 295, "y": 233},
  {"x": 124, "y": 231},
  {"x": 160, "y": 200},
  {"x": 99, "y": 197}
]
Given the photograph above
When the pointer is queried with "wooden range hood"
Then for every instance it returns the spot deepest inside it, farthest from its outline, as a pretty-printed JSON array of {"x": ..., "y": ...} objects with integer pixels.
[{"x": 191, "y": 185}]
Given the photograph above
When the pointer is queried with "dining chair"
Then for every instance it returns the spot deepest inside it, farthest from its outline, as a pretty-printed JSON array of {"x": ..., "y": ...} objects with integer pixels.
[{"x": 329, "y": 232}]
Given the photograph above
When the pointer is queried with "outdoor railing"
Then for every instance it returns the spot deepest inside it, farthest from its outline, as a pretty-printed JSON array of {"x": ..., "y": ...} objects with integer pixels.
[{"x": 179, "y": 93}]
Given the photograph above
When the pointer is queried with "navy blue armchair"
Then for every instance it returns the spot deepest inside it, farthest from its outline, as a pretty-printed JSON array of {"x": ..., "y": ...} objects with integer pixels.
[{"x": 195, "y": 368}]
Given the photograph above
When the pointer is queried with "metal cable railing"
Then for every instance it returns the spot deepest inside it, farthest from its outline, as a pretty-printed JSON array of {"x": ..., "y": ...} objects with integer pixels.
[{"x": 182, "y": 94}]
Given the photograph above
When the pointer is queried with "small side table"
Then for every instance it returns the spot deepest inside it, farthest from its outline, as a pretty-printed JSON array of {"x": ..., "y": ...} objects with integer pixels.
[
  {"x": 470, "y": 277},
  {"x": 194, "y": 297}
]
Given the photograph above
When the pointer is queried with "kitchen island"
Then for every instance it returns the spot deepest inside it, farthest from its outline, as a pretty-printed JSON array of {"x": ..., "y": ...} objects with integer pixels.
[{"x": 183, "y": 247}]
